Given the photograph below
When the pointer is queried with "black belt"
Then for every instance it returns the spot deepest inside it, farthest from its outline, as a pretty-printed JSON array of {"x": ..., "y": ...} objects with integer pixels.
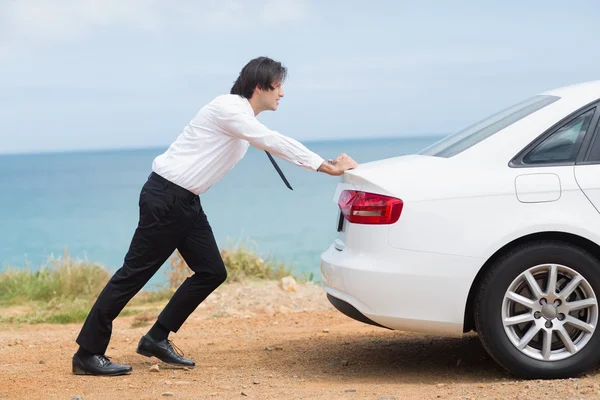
[{"x": 167, "y": 184}]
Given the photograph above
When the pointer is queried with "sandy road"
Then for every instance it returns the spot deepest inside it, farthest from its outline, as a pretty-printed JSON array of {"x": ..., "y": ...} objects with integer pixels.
[{"x": 256, "y": 341}]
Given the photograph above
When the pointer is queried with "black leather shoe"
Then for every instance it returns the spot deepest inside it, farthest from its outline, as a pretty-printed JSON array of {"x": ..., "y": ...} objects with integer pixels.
[
  {"x": 98, "y": 365},
  {"x": 164, "y": 351}
]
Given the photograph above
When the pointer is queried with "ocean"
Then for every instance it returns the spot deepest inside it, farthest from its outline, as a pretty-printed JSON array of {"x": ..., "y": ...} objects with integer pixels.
[{"x": 86, "y": 203}]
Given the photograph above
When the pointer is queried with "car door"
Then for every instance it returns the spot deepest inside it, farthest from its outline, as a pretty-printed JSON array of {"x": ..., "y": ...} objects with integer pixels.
[{"x": 587, "y": 171}]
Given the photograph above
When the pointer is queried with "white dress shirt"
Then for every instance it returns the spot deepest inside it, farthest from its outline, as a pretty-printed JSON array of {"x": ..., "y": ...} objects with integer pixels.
[{"x": 217, "y": 138}]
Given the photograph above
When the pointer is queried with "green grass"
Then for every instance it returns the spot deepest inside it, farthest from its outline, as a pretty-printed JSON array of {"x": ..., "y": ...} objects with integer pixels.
[
  {"x": 220, "y": 314},
  {"x": 64, "y": 289},
  {"x": 242, "y": 262},
  {"x": 62, "y": 279},
  {"x": 60, "y": 292}
]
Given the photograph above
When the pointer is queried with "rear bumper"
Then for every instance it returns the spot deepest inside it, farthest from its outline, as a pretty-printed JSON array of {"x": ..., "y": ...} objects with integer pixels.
[
  {"x": 350, "y": 311},
  {"x": 403, "y": 290}
]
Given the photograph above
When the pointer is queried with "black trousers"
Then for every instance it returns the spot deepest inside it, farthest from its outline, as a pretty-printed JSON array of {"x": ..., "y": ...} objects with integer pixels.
[{"x": 170, "y": 218}]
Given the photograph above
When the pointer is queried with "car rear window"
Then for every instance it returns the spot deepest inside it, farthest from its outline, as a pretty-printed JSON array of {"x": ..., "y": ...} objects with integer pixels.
[{"x": 460, "y": 141}]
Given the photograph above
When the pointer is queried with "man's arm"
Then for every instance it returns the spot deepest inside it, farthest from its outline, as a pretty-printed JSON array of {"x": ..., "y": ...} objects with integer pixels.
[{"x": 258, "y": 135}]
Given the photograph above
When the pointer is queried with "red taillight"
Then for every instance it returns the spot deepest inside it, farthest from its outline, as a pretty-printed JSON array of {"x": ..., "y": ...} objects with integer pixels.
[{"x": 369, "y": 208}]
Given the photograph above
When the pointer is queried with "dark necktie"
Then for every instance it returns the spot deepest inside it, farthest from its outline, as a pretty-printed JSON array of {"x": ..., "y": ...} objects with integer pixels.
[{"x": 278, "y": 170}]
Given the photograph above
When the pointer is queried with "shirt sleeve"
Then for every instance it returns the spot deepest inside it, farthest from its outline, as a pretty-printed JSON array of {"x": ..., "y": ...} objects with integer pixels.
[{"x": 247, "y": 127}]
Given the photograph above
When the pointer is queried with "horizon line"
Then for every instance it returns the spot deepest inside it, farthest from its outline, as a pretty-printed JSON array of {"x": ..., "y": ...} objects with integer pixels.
[{"x": 142, "y": 148}]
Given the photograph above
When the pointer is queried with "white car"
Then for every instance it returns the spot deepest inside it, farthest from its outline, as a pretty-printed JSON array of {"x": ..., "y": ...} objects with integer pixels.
[{"x": 495, "y": 229}]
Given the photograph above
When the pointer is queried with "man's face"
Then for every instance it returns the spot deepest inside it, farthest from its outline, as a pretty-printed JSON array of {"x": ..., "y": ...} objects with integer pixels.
[{"x": 270, "y": 98}]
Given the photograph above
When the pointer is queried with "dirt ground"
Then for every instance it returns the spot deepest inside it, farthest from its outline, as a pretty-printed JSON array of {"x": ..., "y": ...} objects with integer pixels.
[{"x": 257, "y": 341}]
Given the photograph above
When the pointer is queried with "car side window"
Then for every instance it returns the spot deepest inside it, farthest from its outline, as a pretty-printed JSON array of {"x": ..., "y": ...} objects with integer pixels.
[
  {"x": 563, "y": 145},
  {"x": 594, "y": 155}
]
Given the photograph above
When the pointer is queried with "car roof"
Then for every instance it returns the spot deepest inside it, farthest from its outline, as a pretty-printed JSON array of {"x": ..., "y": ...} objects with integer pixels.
[
  {"x": 499, "y": 148},
  {"x": 585, "y": 90}
]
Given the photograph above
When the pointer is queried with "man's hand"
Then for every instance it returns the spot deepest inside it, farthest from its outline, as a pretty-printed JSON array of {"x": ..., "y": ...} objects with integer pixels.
[{"x": 337, "y": 167}]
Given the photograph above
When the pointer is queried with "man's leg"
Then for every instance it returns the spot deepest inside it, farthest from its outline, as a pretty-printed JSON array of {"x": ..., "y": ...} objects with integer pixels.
[
  {"x": 200, "y": 252},
  {"x": 156, "y": 237}
]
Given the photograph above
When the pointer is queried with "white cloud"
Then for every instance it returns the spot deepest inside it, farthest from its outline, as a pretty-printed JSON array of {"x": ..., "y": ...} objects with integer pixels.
[
  {"x": 284, "y": 12},
  {"x": 4, "y": 51},
  {"x": 27, "y": 22},
  {"x": 410, "y": 60},
  {"x": 71, "y": 19},
  {"x": 402, "y": 70}
]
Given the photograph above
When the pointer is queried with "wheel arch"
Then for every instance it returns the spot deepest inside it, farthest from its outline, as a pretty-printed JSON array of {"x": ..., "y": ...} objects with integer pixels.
[{"x": 570, "y": 238}]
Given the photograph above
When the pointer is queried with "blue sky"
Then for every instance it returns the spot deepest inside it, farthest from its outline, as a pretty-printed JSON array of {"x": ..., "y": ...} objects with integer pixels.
[{"x": 86, "y": 74}]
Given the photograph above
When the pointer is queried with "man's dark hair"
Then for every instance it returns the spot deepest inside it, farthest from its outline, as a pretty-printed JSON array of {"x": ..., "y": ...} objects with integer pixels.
[{"x": 261, "y": 71}]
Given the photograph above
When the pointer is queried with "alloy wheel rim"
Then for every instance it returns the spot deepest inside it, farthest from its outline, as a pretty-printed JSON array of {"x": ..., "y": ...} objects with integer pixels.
[{"x": 550, "y": 312}]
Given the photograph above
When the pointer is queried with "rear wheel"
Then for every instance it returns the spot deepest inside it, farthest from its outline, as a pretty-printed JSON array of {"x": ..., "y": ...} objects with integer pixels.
[{"x": 536, "y": 311}]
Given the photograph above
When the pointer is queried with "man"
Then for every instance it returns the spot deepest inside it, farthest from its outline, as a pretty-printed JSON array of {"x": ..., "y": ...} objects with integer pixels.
[{"x": 171, "y": 216}]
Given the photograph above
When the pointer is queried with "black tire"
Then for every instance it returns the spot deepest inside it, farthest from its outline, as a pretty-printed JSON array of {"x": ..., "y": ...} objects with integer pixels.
[{"x": 488, "y": 309}]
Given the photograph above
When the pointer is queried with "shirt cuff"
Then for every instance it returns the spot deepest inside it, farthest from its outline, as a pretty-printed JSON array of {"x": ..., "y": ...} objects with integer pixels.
[{"x": 315, "y": 162}]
